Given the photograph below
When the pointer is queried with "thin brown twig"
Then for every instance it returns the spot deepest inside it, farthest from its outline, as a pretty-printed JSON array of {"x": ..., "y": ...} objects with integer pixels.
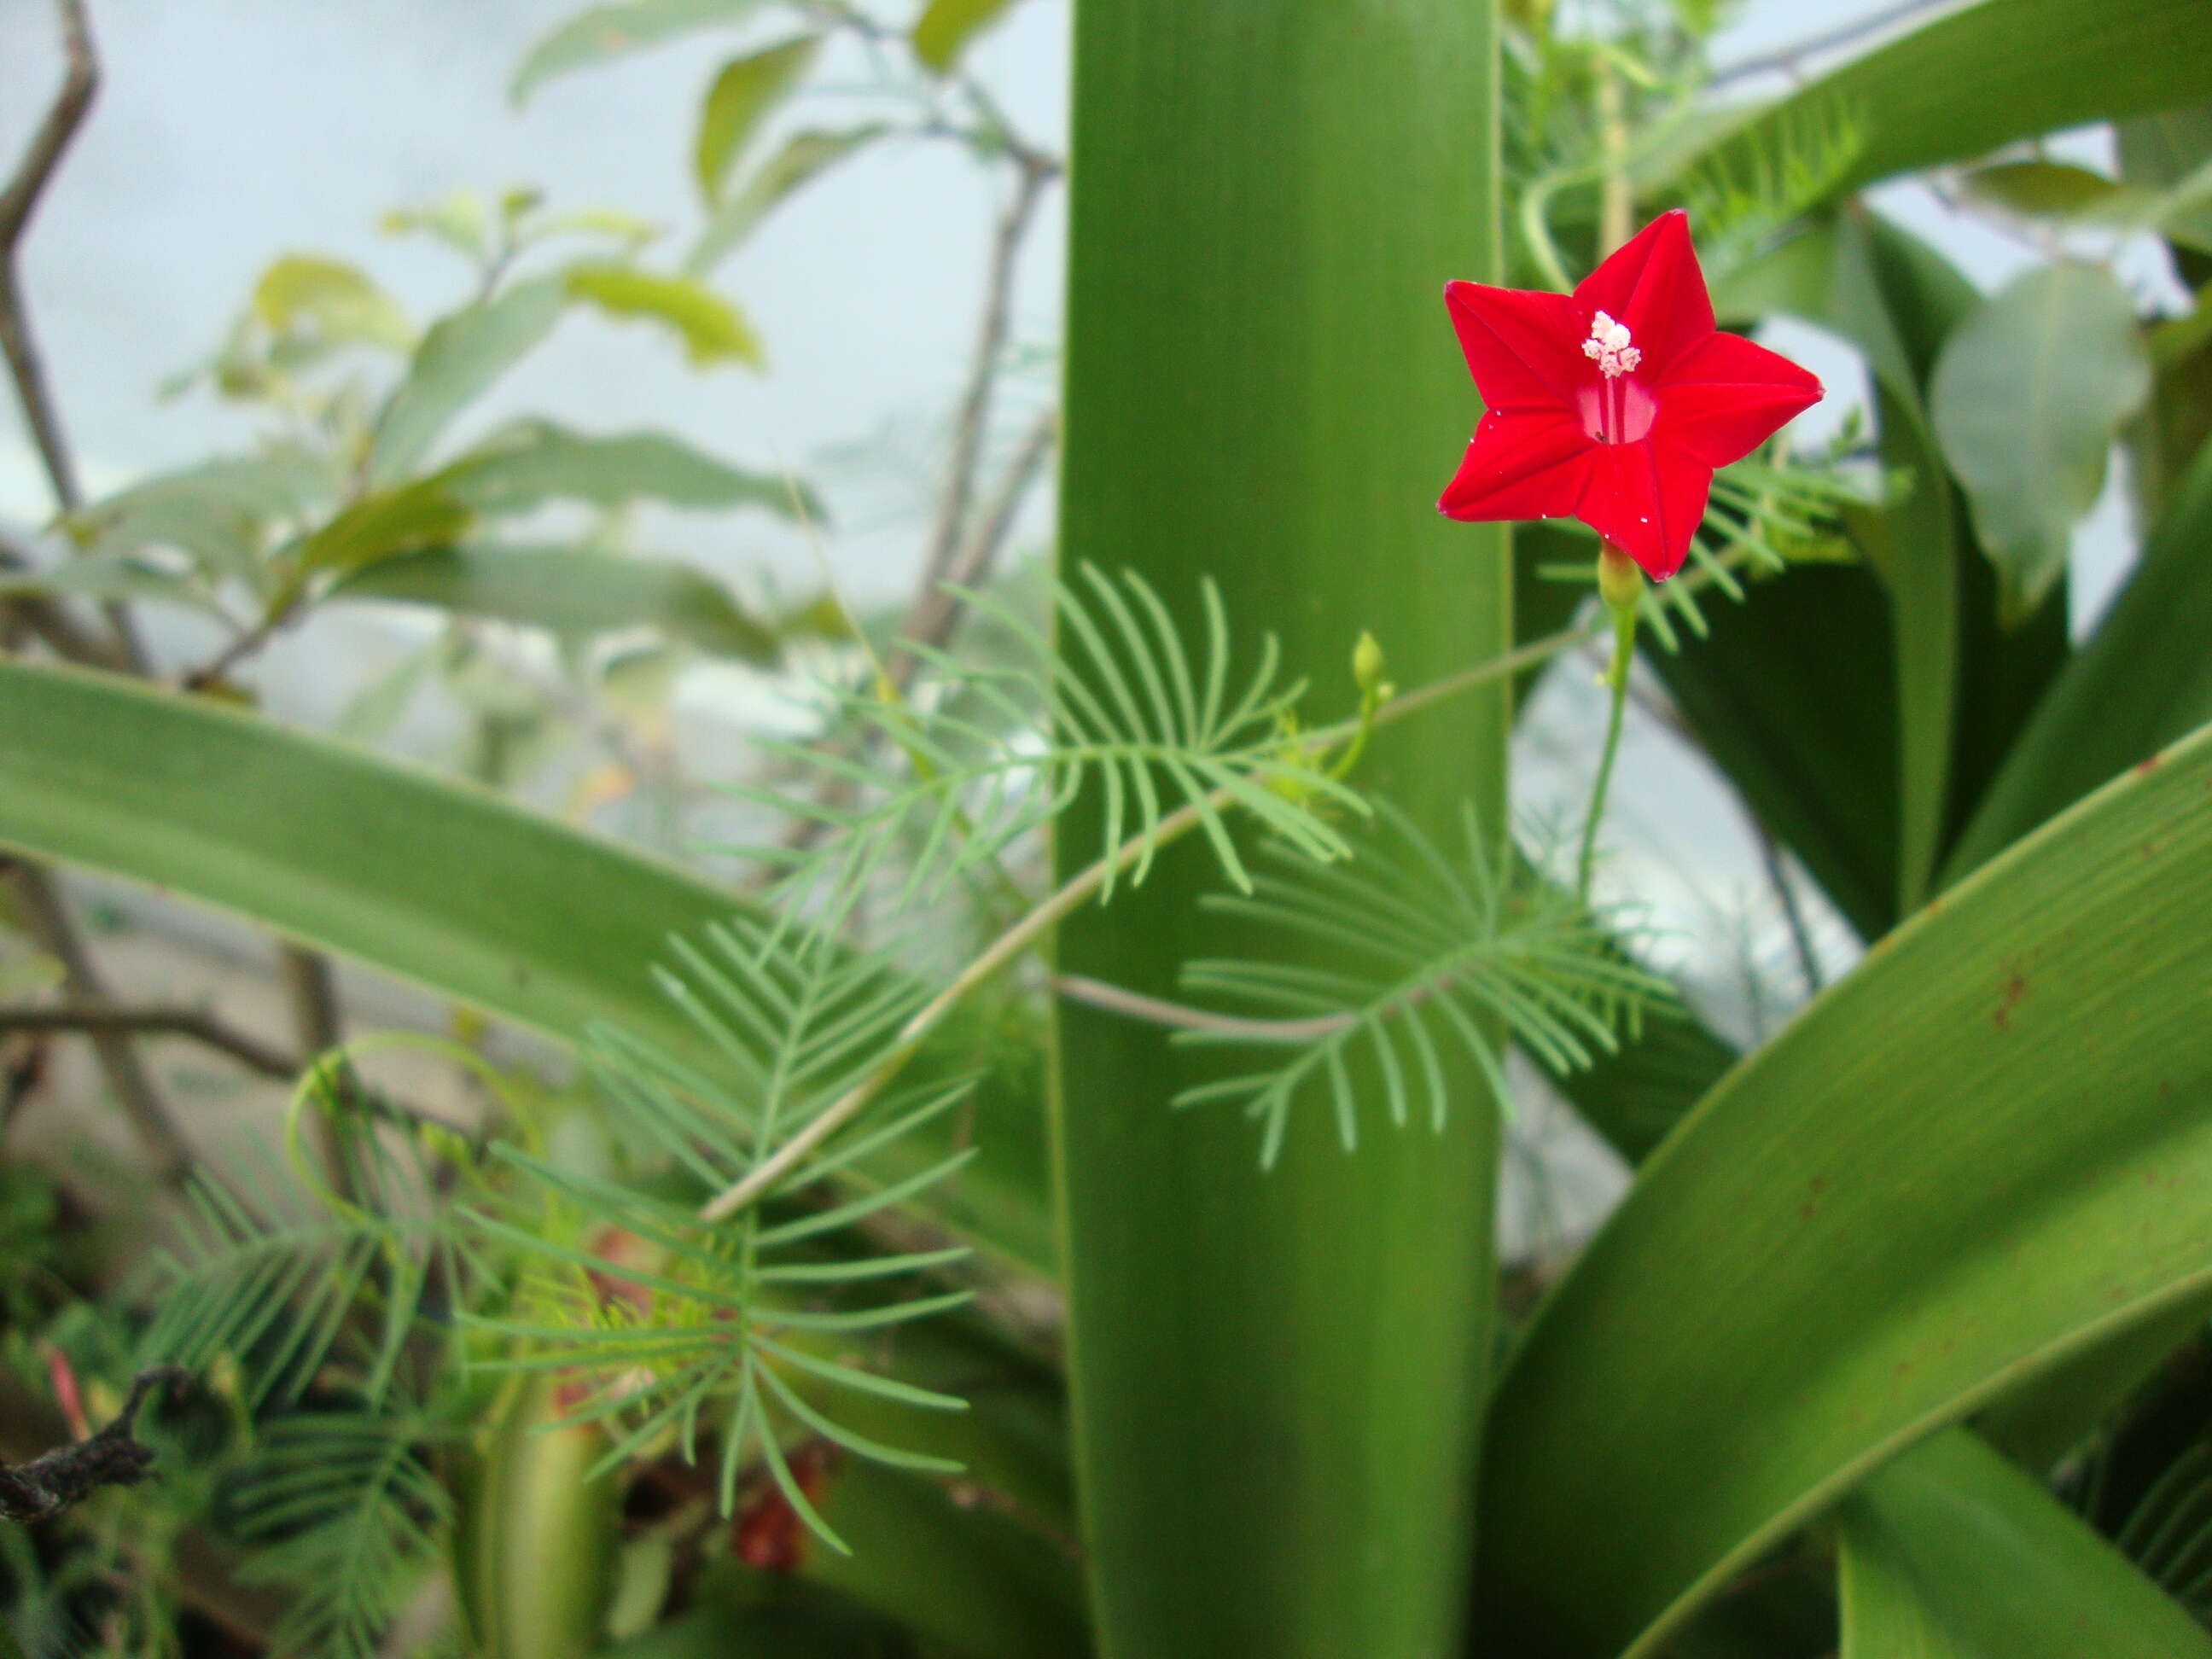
[
  {"x": 39, "y": 903},
  {"x": 937, "y": 610},
  {"x": 211, "y": 672},
  {"x": 45, "y": 913},
  {"x": 203, "y": 1574},
  {"x": 95, "y": 1017},
  {"x": 18, "y": 201},
  {"x": 48, "y": 619},
  {"x": 975, "y": 417},
  {"x": 956, "y": 553}
]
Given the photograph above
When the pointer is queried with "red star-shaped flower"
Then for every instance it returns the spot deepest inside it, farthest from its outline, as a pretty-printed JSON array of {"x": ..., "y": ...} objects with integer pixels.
[{"x": 1614, "y": 404}]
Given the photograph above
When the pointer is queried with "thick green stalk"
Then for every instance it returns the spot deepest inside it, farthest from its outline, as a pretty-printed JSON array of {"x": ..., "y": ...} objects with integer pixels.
[{"x": 1277, "y": 1376}]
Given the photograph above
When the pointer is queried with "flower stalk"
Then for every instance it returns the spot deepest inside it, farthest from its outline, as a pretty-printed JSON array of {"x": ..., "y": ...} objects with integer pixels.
[{"x": 1620, "y": 586}]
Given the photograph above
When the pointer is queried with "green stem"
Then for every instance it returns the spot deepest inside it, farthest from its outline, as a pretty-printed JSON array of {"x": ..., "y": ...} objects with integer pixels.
[
  {"x": 1597, "y": 795},
  {"x": 1621, "y": 585}
]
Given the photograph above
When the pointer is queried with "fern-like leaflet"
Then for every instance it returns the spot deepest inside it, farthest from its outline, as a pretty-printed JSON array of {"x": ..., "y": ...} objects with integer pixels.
[
  {"x": 352, "y": 1515},
  {"x": 310, "y": 1276},
  {"x": 1765, "y": 513},
  {"x": 1121, "y": 707},
  {"x": 662, "y": 1323},
  {"x": 1428, "y": 956},
  {"x": 1749, "y": 193}
]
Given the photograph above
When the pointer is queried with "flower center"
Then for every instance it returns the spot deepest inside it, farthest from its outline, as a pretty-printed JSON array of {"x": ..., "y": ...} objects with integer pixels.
[
  {"x": 1618, "y": 409},
  {"x": 1609, "y": 347}
]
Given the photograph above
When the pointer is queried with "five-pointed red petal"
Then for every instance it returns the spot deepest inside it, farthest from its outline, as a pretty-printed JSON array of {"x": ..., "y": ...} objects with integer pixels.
[{"x": 1632, "y": 456}]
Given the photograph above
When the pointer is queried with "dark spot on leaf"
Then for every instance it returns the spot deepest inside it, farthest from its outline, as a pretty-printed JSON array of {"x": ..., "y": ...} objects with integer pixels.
[{"x": 2015, "y": 988}]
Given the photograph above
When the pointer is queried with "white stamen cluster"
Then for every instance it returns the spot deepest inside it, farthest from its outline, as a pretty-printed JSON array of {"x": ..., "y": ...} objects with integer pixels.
[{"x": 1608, "y": 346}]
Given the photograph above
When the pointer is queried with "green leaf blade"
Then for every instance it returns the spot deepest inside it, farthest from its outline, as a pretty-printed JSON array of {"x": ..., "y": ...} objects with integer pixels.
[
  {"x": 2028, "y": 395},
  {"x": 744, "y": 93},
  {"x": 1880, "y": 1221},
  {"x": 600, "y": 34},
  {"x": 1253, "y": 176},
  {"x": 712, "y": 328},
  {"x": 568, "y": 591},
  {"x": 1952, "y": 1552}
]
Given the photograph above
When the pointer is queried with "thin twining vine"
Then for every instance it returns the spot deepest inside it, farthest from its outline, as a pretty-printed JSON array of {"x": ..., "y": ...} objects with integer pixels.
[{"x": 1078, "y": 889}]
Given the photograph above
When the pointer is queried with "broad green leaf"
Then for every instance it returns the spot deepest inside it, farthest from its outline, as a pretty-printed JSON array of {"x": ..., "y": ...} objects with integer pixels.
[
  {"x": 2176, "y": 417},
  {"x": 1789, "y": 1611},
  {"x": 611, "y": 223},
  {"x": 1952, "y": 1552},
  {"x": 457, "y": 219},
  {"x": 373, "y": 710},
  {"x": 943, "y": 31},
  {"x": 2027, "y": 399},
  {"x": 1897, "y": 300},
  {"x": 2142, "y": 680},
  {"x": 957, "y": 1575},
  {"x": 533, "y": 462},
  {"x": 2054, "y": 1412},
  {"x": 1634, "y": 1099},
  {"x": 1988, "y": 74},
  {"x": 710, "y": 326},
  {"x": 2054, "y": 190},
  {"x": 433, "y": 880},
  {"x": 1794, "y": 694},
  {"x": 386, "y": 522},
  {"x": 117, "y": 573},
  {"x": 316, "y": 301},
  {"x": 457, "y": 362},
  {"x": 220, "y": 513},
  {"x": 568, "y": 590},
  {"x": 804, "y": 156},
  {"x": 2163, "y": 150},
  {"x": 2033, "y": 188},
  {"x": 1890, "y": 1215},
  {"x": 599, "y": 34},
  {"x": 1276, "y": 1376},
  {"x": 743, "y": 94},
  {"x": 789, "y": 1627}
]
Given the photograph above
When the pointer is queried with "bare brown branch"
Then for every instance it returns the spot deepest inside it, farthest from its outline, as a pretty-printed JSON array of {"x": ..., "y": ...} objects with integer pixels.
[
  {"x": 203, "y": 1576},
  {"x": 974, "y": 420},
  {"x": 48, "y": 922},
  {"x": 98, "y": 1017},
  {"x": 60, "y": 1479},
  {"x": 51, "y": 622},
  {"x": 64, "y": 116},
  {"x": 935, "y": 612}
]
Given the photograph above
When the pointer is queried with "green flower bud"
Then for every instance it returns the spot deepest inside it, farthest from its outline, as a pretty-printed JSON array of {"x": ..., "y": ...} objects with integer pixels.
[{"x": 1367, "y": 664}]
